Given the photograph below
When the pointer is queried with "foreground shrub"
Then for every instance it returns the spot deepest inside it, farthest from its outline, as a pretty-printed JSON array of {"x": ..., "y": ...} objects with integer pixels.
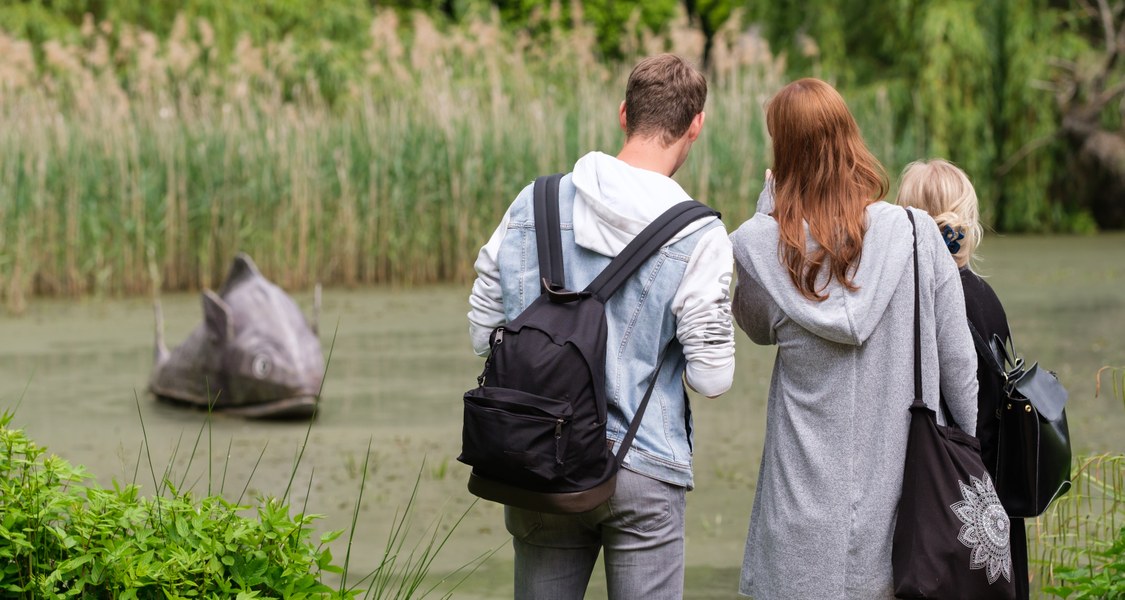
[
  {"x": 1103, "y": 577},
  {"x": 59, "y": 538},
  {"x": 62, "y": 537}
]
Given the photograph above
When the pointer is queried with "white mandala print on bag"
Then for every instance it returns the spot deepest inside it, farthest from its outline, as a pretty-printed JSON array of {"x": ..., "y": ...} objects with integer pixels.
[{"x": 986, "y": 528}]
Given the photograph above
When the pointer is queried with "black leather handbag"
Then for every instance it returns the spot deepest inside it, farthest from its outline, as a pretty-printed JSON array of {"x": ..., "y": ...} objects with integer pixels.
[
  {"x": 951, "y": 536},
  {"x": 1033, "y": 446}
]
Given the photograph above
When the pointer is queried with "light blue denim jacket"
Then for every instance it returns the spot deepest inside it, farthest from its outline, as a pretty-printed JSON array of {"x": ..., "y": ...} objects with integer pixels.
[{"x": 640, "y": 326}]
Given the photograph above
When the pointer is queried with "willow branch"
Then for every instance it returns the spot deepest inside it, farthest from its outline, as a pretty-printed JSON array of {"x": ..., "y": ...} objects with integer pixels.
[{"x": 1023, "y": 153}]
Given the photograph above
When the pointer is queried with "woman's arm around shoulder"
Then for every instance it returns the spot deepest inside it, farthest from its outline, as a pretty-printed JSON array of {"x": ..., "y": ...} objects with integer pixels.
[{"x": 752, "y": 305}]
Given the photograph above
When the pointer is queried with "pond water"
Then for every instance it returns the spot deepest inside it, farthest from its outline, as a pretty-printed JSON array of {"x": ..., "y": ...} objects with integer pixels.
[{"x": 401, "y": 360}]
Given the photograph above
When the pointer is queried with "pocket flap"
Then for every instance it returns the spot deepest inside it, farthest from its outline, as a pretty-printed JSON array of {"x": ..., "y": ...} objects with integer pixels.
[{"x": 1044, "y": 391}]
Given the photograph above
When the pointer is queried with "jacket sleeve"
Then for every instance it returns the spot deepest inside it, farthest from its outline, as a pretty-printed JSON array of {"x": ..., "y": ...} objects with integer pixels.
[
  {"x": 702, "y": 309},
  {"x": 957, "y": 358},
  {"x": 486, "y": 301}
]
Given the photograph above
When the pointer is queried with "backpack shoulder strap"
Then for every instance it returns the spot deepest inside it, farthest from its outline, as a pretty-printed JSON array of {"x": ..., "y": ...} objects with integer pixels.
[
  {"x": 645, "y": 245},
  {"x": 986, "y": 352},
  {"x": 548, "y": 235}
]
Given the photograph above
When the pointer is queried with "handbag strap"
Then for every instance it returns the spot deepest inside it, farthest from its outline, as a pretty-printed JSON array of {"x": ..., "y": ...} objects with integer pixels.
[
  {"x": 918, "y": 333},
  {"x": 997, "y": 357},
  {"x": 984, "y": 350}
]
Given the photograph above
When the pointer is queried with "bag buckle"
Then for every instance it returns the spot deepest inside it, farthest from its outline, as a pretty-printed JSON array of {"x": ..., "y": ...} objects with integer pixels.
[{"x": 560, "y": 295}]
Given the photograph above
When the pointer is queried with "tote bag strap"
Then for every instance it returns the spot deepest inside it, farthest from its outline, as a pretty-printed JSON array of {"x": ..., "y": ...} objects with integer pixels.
[
  {"x": 918, "y": 334},
  {"x": 917, "y": 317}
]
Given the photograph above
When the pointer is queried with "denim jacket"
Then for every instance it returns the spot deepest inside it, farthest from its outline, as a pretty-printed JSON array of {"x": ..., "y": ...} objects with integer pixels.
[{"x": 640, "y": 326}]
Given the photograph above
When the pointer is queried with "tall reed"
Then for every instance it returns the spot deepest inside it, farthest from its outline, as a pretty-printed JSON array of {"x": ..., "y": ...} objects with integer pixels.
[
  {"x": 122, "y": 146},
  {"x": 1078, "y": 544},
  {"x": 1079, "y": 528}
]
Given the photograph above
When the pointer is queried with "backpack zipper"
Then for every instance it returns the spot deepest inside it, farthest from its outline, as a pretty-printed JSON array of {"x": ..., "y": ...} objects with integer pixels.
[
  {"x": 558, "y": 440},
  {"x": 497, "y": 337}
]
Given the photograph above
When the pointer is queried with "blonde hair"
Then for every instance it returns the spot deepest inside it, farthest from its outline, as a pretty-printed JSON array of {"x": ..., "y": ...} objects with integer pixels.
[
  {"x": 944, "y": 191},
  {"x": 824, "y": 176}
]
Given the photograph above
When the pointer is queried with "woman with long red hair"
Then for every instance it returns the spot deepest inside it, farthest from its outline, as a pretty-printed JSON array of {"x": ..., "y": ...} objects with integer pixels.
[{"x": 825, "y": 272}]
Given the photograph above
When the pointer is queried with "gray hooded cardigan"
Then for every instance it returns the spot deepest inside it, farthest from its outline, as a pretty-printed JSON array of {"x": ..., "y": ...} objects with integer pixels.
[{"x": 836, "y": 423}]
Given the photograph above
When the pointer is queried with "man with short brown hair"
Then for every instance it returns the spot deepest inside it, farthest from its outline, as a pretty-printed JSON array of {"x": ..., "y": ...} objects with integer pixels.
[
  {"x": 664, "y": 95},
  {"x": 677, "y": 300}
]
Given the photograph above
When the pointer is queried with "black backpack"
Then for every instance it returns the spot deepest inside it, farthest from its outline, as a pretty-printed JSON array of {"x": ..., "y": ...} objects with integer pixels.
[{"x": 535, "y": 426}]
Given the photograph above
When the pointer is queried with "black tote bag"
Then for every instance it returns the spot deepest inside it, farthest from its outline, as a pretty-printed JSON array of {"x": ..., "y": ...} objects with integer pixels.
[{"x": 951, "y": 537}]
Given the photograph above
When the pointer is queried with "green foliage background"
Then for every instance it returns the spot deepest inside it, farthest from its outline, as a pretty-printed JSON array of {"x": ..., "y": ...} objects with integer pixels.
[
  {"x": 961, "y": 74},
  {"x": 405, "y": 127}
]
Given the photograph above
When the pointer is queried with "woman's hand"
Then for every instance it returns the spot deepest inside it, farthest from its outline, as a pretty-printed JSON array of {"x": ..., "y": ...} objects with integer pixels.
[{"x": 765, "y": 199}]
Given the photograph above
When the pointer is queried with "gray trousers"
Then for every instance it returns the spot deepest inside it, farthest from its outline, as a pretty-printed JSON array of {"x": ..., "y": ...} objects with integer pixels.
[{"x": 641, "y": 528}]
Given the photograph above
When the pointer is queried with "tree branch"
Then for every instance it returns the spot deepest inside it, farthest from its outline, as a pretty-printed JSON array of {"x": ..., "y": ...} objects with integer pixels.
[
  {"x": 1107, "y": 26},
  {"x": 1024, "y": 152},
  {"x": 1065, "y": 65},
  {"x": 1112, "y": 48},
  {"x": 1107, "y": 96}
]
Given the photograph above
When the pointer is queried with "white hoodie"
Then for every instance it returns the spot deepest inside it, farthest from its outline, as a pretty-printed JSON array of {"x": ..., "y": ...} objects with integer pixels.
[{"x": 607, "y": 216}]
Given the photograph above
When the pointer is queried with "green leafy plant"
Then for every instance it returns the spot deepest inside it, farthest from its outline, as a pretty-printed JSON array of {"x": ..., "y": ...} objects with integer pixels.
[
  {"x": 61, "y": 537},
  {"x": 1104, "y": 577}
]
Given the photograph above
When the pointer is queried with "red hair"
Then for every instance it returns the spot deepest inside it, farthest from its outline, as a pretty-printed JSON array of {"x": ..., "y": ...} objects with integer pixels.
[{"x": 824, "y": 176}]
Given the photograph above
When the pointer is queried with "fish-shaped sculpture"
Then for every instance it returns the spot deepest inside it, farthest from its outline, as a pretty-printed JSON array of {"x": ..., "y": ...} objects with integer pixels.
[{"x": 254, "y": 355}]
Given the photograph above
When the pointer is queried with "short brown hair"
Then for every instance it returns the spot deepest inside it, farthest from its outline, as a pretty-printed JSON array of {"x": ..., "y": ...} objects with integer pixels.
[{"x": 663, "y": 95}]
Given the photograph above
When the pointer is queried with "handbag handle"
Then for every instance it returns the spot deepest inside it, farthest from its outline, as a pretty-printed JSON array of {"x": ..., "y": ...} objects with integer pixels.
[{"x": 996, "y": 355}]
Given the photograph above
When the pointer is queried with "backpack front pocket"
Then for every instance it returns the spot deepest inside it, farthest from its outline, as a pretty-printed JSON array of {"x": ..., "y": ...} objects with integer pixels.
[{"x": 515, "y": 436}]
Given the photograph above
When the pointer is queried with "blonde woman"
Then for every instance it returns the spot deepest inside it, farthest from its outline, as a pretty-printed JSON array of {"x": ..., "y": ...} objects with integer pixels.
[
  {"x": 943, "y": 190},
  {"x": 825, "y": 273}
]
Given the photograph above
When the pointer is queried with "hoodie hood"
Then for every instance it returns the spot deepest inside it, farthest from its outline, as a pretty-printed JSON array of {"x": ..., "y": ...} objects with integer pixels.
[
  {"x": 846, "y": 317},
  {"x": 616, "y": 201}
]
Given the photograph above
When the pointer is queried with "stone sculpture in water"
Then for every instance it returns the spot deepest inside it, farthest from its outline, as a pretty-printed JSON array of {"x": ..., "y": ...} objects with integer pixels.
[{"x": 254, "y": 354}]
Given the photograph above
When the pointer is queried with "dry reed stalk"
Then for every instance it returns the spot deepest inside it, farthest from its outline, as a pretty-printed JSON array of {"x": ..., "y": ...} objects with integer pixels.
[
  {"x": 16, "y": 295},
  {"x": 1082, "y": 522},
  {"x": 190, "y": 159},
  {"x": 73, "y": 282}
]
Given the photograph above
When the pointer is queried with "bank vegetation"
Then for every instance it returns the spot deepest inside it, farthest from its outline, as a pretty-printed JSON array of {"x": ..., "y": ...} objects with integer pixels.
[{"x": 344, "y": 144}]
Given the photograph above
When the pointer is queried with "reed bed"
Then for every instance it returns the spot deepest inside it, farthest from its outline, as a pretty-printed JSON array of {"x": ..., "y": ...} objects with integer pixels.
[
  {"x": 1075, "y": 539},
  {"x": 1078, "y": 545},
  {"x": 129, "y": 163}
]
